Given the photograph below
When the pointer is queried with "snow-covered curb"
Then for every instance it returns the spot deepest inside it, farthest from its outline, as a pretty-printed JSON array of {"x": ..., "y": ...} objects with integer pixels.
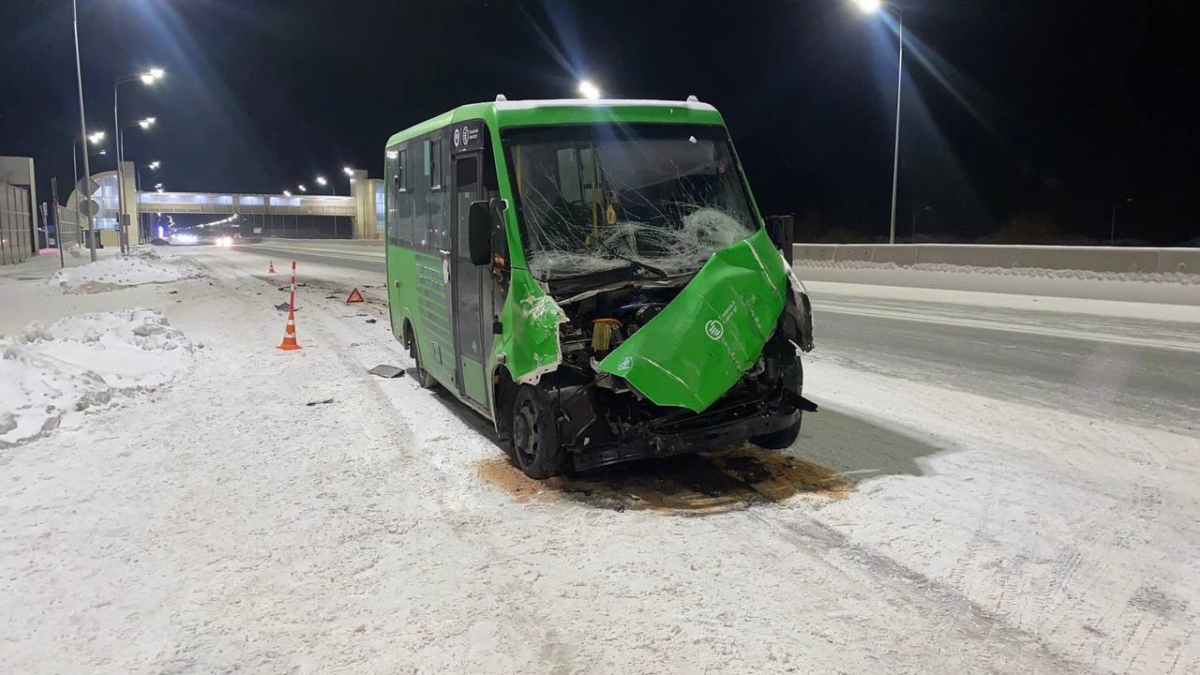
[
  {"x": 1153, "y": 277},
  {"x": 141, "y": 267},
  {"x": 50, "y": 373}
]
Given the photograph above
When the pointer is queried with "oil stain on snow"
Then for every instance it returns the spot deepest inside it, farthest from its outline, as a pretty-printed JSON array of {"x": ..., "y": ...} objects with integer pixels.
[{"x": 688, "y": 484}]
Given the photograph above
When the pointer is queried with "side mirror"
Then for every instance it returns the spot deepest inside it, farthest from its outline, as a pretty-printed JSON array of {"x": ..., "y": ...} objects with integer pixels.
[
  {"x": 479, "y": 233},
  {"x": 781, "y": 230}
]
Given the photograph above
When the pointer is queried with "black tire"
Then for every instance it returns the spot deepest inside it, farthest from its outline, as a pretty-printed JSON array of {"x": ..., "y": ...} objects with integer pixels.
[
  {"x": 535, "y": 436},
  {"x": 782, "y": 439},
  {"x": 422, "y": 376}
]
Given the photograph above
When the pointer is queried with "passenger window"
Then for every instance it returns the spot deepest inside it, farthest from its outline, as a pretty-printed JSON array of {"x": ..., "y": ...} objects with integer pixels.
[
  {"x": 435, "y": 164},
  {"x": 402, "y": 173},
  {"x": 569, "y": 178}
]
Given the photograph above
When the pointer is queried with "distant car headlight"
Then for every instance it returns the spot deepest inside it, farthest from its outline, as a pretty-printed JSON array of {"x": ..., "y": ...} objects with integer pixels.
[
  {"x": 184, "y": 238},
  {"x": 224, "y": 241}
]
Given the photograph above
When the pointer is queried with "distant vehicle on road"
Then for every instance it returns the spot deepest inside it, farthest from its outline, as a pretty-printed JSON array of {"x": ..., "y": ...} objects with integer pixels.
[
  {"x": 200, "y": 238},
  {"x": 595, "y": 277}
]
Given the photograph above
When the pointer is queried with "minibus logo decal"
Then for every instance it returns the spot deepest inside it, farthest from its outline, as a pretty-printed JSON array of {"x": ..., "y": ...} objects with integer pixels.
[
  {"x": 625, "y": 364},
  {"x": 714, "y": 329}
]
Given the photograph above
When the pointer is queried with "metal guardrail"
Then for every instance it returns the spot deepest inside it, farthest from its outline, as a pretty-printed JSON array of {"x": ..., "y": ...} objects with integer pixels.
[{"x": 1102, "y": 259}]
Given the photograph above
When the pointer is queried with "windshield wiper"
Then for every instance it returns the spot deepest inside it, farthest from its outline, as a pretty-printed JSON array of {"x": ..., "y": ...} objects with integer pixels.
[{"x": 639, "y": 263}]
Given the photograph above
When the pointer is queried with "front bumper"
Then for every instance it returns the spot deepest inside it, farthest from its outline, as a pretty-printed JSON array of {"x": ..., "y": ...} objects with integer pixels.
[{"x": 700, "y": 433}]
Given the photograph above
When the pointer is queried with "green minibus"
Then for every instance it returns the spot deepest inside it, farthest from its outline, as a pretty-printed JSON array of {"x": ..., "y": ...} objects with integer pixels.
[{"x": 595, "y": 278}]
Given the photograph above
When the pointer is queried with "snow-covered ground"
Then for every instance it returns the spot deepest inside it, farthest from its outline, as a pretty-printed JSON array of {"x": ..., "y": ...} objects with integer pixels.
[
  {"x": 48, "y": 373},
  {"x": 144, "y": 266},
  {"x": 287, "y": 512}
]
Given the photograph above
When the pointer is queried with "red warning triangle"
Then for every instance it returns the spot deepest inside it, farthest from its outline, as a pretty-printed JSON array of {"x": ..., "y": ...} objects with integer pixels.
[{"x": 355, "y": 296}]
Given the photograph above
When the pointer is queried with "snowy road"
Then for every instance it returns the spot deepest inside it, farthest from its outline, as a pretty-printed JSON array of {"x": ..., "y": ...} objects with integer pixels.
[{"x": 929, "y": 520}]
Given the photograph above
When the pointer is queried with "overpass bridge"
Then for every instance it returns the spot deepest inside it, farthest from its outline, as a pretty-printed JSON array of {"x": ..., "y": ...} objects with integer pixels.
[
  {"x": 230, "y": 204},
  {"x": 358, "y": 216}
]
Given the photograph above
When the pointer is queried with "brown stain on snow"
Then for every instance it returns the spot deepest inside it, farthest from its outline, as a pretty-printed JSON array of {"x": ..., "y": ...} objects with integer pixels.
[{"x": 711, "y": 483}]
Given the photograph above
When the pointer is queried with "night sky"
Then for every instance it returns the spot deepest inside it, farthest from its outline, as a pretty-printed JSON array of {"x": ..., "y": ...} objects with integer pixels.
[{"x": 1011, "y": 107}]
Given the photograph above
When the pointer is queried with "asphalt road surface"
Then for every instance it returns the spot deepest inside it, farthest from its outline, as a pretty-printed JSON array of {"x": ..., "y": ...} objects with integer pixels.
[{"x": 1083, "y": 356}]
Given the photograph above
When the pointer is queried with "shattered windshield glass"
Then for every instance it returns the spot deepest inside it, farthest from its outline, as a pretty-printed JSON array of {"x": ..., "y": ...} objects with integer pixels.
[{"x": 656, "y": 200}]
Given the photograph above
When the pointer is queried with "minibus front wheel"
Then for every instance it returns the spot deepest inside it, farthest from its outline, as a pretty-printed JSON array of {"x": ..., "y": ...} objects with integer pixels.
[{"x": 535, "y": 435}]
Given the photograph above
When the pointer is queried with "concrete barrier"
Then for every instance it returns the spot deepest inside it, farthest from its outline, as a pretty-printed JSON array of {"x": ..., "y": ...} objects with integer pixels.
[{"x": 1099, "y": 259}]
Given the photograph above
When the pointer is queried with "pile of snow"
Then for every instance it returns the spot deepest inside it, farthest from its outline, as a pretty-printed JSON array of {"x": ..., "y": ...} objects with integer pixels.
[
  {"x": 1154, "y": 277},
  {"x": 135, "y": 269},
  {"x": 80, "y": 362}
]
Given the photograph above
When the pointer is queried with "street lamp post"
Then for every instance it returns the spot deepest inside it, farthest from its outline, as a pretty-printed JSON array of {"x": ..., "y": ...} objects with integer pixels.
[
  {"x": 874, "y": 7},
  {"x": 1112, "y": 232},
  {"x": 82, "y": 127},
  {"x": 146, "y": 230},
  {"x": 333, "y": 184},
  {"x": 147, "y": 78},
  {"x": 94, "y": 139},
  {"x": 915, "y": 214}
]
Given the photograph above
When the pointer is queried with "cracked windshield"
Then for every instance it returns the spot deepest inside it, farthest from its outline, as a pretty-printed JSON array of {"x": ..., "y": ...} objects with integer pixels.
[{"x": 655, "y": 201}]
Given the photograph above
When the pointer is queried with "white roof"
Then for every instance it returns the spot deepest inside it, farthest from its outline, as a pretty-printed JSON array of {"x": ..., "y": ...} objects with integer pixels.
[{"x": 599, "y": 102}]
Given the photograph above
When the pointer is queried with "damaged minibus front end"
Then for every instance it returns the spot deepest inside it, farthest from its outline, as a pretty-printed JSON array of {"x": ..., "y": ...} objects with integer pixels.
[{"x": 650, "y": 367}]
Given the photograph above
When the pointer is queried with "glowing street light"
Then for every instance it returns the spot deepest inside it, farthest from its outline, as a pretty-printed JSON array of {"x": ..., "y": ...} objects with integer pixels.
[
  {"x": 96, "y": 137},
  {"x": 154, "y": 165},
  {"x": 321, "y": 181},
  {"x": 147, "y": 78},
  {"x": 589, "y": 90},
  {"x": 151, "y": 76},
  {"x": 146, "y": 123},
  {"x": 301, "y": 188},
  {"x": 287, "y": 193},
  {"x": 348, "y": 171},
  {"x": 877, "y": 7}
]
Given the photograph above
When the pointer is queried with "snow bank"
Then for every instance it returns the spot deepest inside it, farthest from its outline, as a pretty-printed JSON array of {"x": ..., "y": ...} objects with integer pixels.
[
  {"x": 135, "y": 269},
  {"x": 81, "y": 362},
  {"x": 1152, "y": 277}
]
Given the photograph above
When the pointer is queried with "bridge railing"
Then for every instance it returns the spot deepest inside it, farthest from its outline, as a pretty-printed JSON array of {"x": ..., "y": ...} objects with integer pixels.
[{"x": 199, "y": 202}]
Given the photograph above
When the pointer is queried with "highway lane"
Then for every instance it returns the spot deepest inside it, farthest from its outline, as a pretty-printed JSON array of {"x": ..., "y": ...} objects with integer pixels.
[{"x": 1119, "y": 361}]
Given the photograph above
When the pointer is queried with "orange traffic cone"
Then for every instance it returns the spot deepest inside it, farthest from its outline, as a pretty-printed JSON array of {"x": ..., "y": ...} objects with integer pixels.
[
  {"x": 272, "y": 270},
  {"x": 289, "y": 335}
]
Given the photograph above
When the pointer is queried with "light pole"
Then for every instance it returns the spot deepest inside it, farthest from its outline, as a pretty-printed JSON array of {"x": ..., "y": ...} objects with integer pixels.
[
  {"x": 94, "y": 139},
  {"x": 915, "y": 214},
  {"x": 82, "y": 126},
  {"x": 321, "y": 181},
  {"x": 144, "y": 123},
  {"x": 147, "y": 78},
  {"x": 1112, "y": 233},
  {"x": 153, "y": 166},
  {"x": 875, "y": 7}
]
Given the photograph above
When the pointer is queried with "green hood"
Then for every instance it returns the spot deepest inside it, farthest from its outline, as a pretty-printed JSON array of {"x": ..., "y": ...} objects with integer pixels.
[{"x": 701, "y": 343}]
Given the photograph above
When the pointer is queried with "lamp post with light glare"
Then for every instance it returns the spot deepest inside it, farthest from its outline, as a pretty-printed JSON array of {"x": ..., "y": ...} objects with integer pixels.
[
  {"x": 94, "y": 139},
  {"x": 153, "y": 166},
  {"x": 87, "y": 171},
  {"x": 147, "y": 78},
  {"x": 322, "y": 181},
  {"x": 587, "y": 89},
  {"x": 875, "y": 7}
]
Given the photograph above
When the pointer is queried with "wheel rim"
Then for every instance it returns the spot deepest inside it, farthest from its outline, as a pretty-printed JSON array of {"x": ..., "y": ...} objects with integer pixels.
[{"x": 525, "y": 433}]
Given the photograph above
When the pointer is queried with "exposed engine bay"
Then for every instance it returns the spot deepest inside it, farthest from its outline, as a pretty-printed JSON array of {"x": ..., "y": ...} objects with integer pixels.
[{"x": 602, "y": 419}]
